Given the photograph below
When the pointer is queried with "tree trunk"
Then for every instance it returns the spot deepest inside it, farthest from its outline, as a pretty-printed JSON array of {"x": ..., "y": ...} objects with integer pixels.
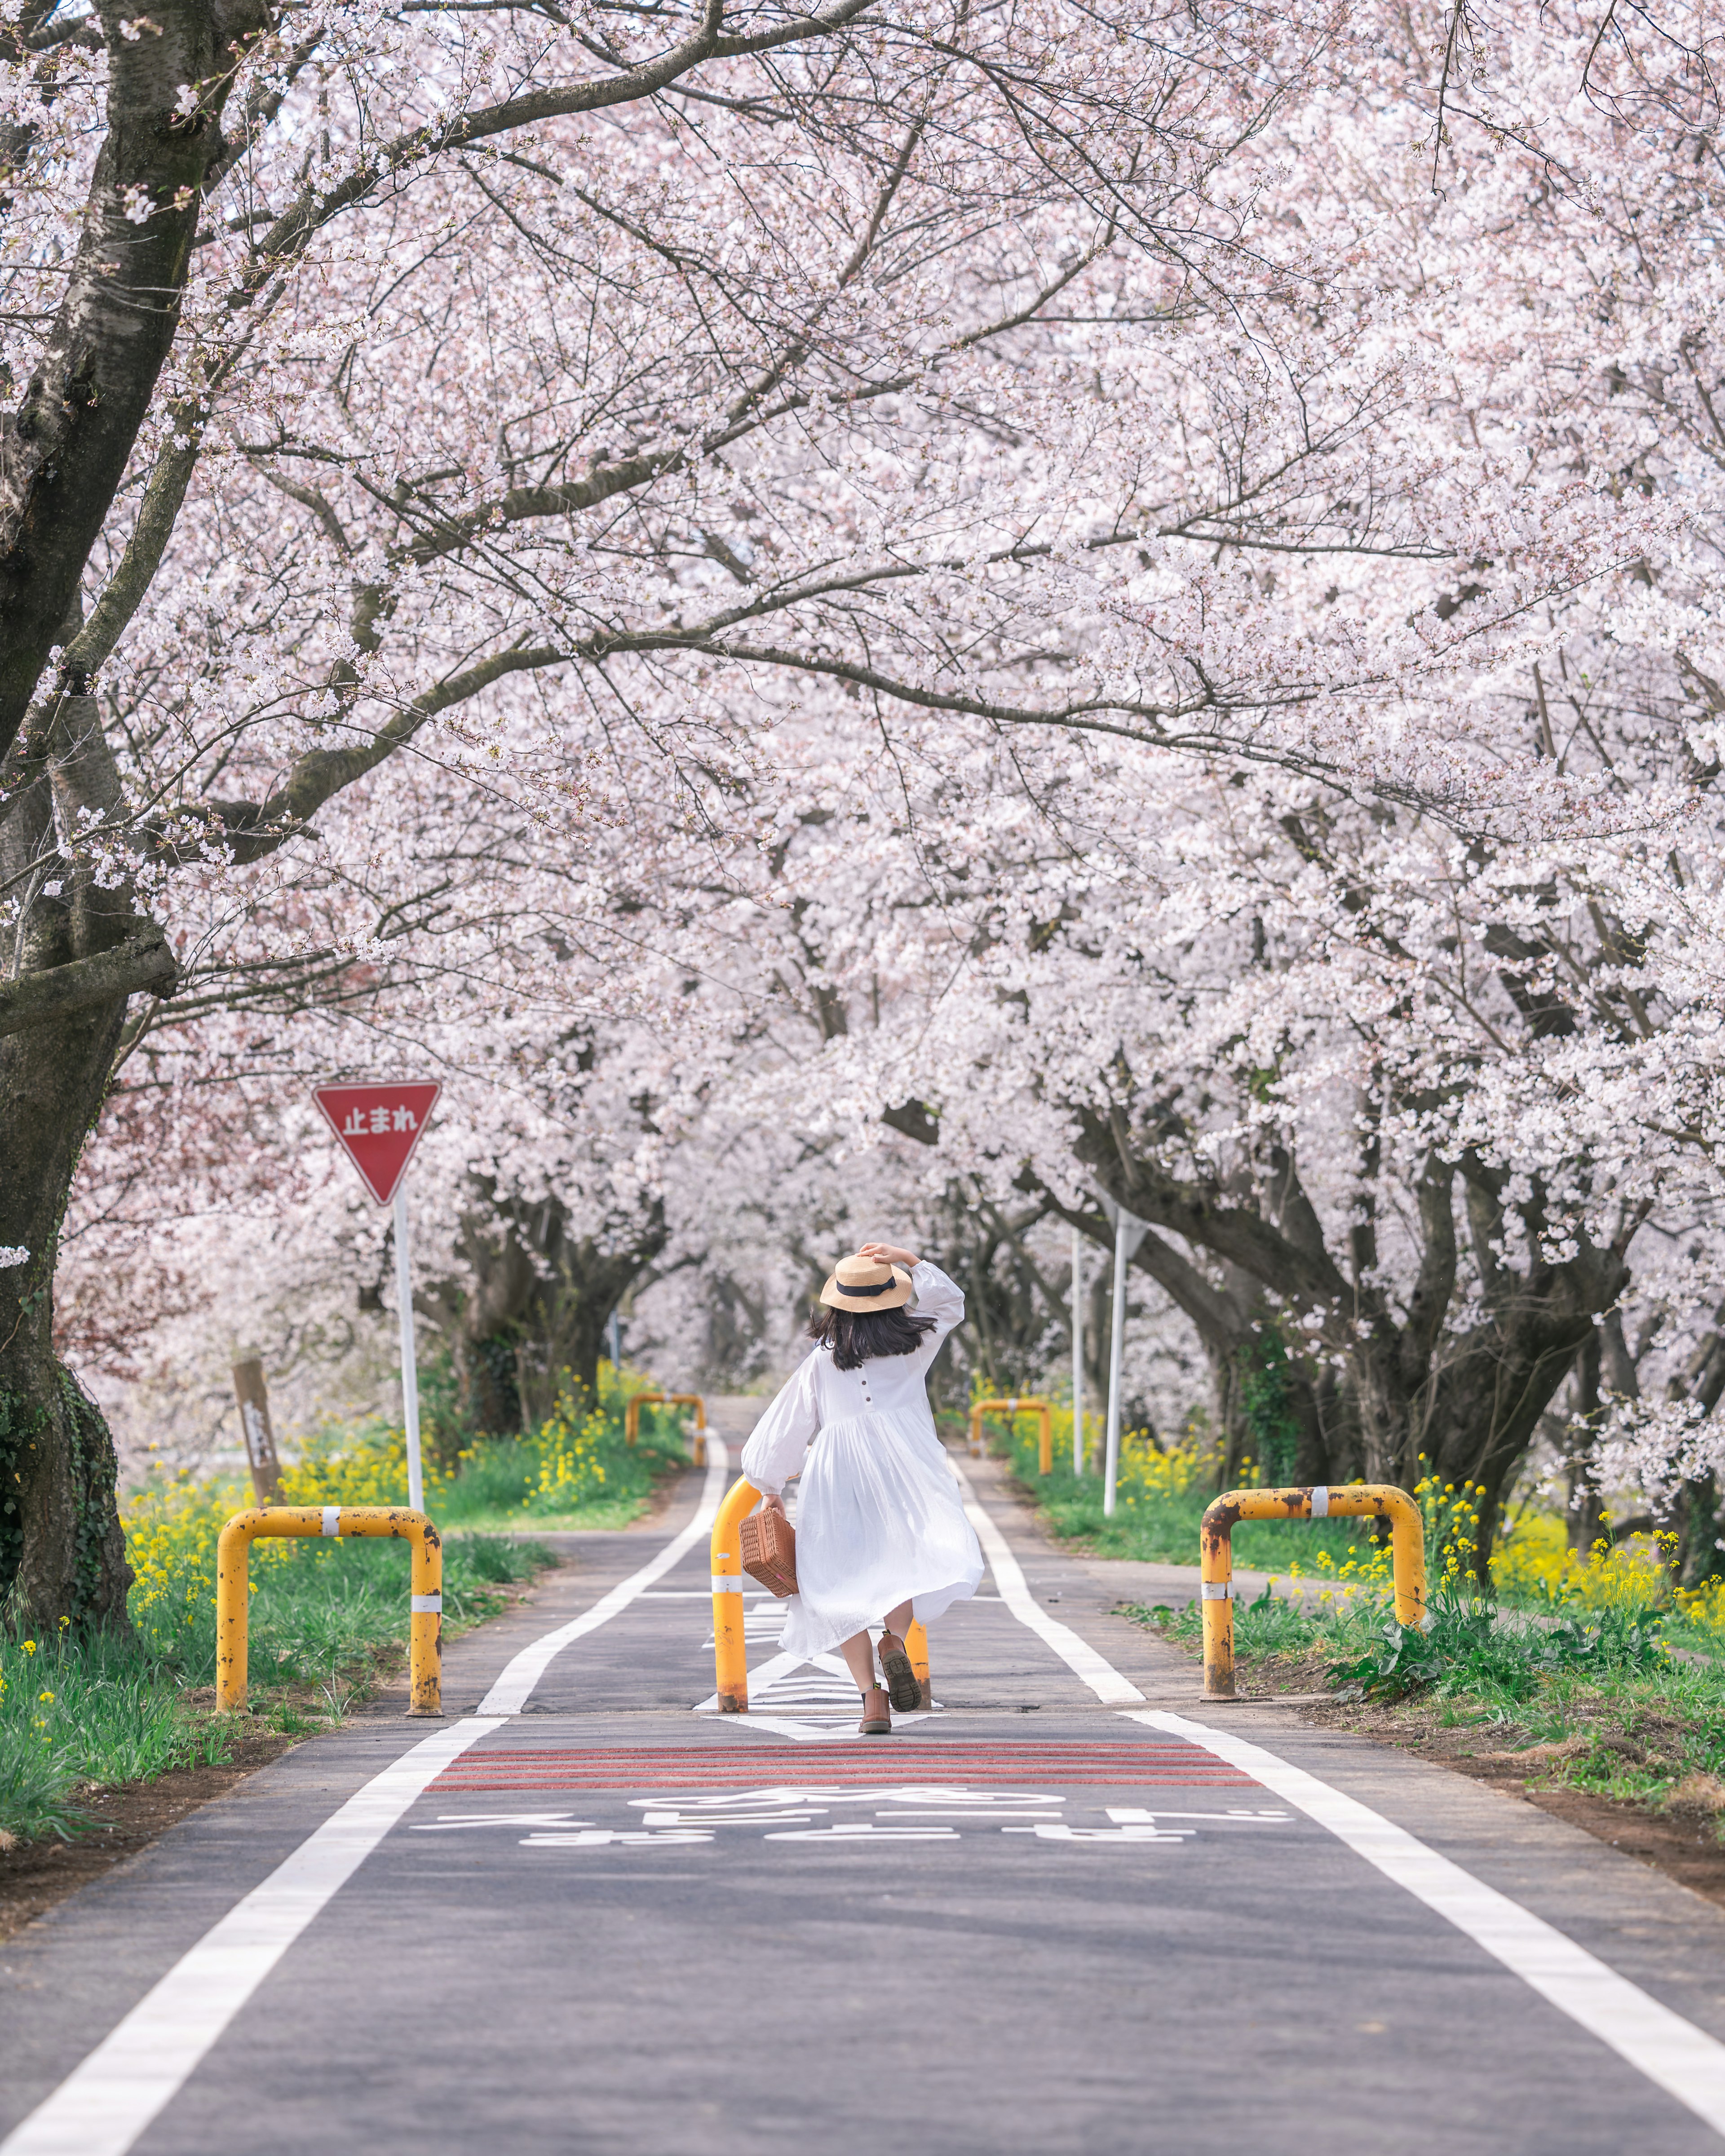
[
  {"x": 535, "y": 1304},
  {"x": 1278, "y": 1424},
  {"x": 62, "y": 1552},
  {"x": 1488, "y": 1398},
  {"x": 1698, "y": 1556},
  {"x": 487, "y": 1391},
  {"x": 584, "y": 1335},
  {"x": 1693, "y": 1514}
]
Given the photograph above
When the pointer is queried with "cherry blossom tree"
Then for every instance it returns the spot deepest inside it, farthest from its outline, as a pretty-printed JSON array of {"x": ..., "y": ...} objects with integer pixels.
[
  {"x": 872, "y": 464},
  {"x": 479, "y": 348}
]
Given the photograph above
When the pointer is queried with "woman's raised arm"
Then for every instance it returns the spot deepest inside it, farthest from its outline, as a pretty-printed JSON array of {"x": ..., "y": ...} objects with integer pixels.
[{"x": 939, "y": 1298}]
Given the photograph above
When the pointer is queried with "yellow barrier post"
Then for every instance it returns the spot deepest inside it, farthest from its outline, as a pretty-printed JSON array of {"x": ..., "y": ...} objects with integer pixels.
[
  {"x": 396, "y": 1524},
  {"x": 1044, "y": 1464},
  {"x": 731, "y": 1660},
  {"x": 916, "y": 1647},
  {"x": 1380, "y": 1501},
  {"x": 632, "y": 1417}
]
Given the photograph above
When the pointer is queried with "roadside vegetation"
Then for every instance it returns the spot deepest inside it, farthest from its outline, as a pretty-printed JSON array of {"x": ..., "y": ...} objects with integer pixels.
[
  {"x": 1159, "y": 1499},
  {"x": 90, "y": 1711},
  {"x": 1589, "y": 1671}
]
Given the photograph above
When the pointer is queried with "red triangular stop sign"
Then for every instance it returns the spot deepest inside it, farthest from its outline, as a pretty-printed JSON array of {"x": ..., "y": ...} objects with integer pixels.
[{"x": 380, "y": 1126}]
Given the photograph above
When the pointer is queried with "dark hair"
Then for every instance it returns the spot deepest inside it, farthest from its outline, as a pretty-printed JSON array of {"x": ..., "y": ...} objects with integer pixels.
[{"x": 856, "y": 1336}]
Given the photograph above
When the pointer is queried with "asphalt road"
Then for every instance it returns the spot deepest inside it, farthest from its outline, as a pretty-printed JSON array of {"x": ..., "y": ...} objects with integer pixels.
[{"x": 1037, "y": 1920}]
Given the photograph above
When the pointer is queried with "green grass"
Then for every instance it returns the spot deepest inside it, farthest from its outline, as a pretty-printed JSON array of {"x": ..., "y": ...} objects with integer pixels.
[
  {"x": 91, "y": 1713},
  {"x": 1501, "y": 1661},
  {"x": 1158, "y": 1522},
  {"x": 94, "y": 1712},
  {"x": 496, "y": 1479},
  {"x": 497, "y": 1483}
]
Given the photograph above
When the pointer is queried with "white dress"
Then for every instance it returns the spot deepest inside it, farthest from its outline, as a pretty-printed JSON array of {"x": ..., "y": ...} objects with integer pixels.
[{"x": 880, "y": 1520}]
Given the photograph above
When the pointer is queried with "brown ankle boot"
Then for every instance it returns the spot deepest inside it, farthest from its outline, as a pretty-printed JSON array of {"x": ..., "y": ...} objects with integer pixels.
[
  {"x": 877, "y": 1720},
  {"x": 903, "y": 1687}
]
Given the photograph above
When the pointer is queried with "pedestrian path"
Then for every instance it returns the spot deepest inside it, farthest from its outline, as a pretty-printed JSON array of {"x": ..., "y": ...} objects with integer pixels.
[{"x": 1071, "y": 1909}]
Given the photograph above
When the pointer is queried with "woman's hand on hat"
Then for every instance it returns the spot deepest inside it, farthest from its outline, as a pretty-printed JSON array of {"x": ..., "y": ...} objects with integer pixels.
[{"x": 887, "y": 1254}]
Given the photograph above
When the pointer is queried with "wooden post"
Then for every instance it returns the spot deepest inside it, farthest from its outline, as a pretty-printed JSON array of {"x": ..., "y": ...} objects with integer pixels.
[{"x": 254, "y": 1397}]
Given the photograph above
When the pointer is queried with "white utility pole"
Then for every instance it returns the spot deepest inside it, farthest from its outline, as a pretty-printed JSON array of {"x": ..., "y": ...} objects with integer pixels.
[
  {"x": 1077, "y": 1352},
  {"x": 1116, "y": 1344},
  {"x": 410, "y": 1368},
  {"x": 1129, "y": 1231}
]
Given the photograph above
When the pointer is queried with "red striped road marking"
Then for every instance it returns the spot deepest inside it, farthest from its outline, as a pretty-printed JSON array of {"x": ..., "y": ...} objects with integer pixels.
[{"x": 1136, "y": 1766}]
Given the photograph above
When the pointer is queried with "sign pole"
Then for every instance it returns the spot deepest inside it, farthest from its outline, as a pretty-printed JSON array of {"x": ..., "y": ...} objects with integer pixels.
[
  {"x": 1077, "y": 1352},
  {"x": 409, "y": 1369},
  {"x": 379, "y": 1127},
  {"x": 1117, "y": 1346},
  {"x": 1129, "y": 1231}
]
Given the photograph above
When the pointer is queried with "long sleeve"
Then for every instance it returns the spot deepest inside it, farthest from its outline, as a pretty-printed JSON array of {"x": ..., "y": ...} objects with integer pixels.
[
  {"x": 775, "y": 1450},
  {"x": 939, "y": 1298}
]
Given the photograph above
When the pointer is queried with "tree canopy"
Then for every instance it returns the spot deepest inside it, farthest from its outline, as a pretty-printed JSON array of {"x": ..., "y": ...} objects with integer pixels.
[{"x": 925, "y": 607}]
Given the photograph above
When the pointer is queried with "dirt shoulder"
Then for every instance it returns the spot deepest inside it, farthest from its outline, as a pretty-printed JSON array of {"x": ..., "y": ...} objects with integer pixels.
[
  {"x": 1680, "y": 1840},
  {"x": 36, "y": 1875}
]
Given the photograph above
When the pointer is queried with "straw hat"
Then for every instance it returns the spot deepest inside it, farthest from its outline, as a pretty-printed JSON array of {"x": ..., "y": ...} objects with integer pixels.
[{"x": 861, "y": 1284}]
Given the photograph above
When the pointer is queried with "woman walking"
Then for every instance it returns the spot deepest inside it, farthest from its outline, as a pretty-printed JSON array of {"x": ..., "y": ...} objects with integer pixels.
[{"x": 881, "y": 1535}]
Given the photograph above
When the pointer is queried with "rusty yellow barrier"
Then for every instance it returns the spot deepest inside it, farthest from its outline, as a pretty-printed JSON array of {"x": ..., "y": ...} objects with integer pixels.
[
  {"x": 425, "y": 1623},
  {"x": 731, "y": 1661},
  {"x": 632, "y": 1417},
  {"x": 1380, "y": 1501},
  {"x": 1045, "y": 1458}
]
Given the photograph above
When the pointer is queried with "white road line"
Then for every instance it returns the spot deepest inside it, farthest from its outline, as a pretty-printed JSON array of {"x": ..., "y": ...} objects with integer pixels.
[
  {"x": 1104, "y": 1679},
  {"x": 508, "y": 1695},
  {"x": 1671, "y": 2052},
  {"x": 103, "y": 2107},
  {"x": 1682, "y": 2059}
]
